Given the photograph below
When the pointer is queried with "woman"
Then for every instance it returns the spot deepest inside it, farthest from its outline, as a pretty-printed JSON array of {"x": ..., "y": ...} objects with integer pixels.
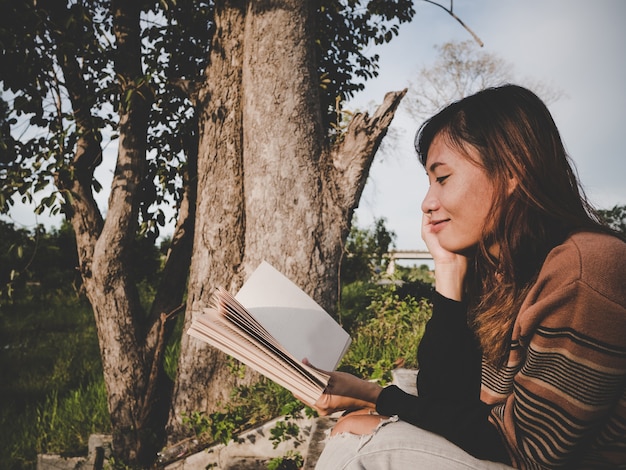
[{"x": 523, "y": 363}]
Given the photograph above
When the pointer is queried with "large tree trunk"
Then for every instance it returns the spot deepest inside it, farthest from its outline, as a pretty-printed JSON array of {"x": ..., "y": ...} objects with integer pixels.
[
  {"x": 220, "y": 219},
  {"x": 268, "y": 186}
]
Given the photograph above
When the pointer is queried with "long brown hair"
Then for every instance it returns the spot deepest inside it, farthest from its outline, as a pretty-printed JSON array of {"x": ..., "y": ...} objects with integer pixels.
[{"x": 517, "y": 140}]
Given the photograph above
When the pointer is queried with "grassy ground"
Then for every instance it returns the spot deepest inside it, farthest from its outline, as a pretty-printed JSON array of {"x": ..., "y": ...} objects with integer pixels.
[{"x": 52, "y": 395}]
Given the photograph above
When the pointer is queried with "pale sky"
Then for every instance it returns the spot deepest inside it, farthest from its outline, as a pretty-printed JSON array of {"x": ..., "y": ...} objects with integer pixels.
[{"x": 576, "y": 46}]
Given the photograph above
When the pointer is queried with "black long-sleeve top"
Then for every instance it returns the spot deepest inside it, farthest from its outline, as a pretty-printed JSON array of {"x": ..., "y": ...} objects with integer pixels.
[{"x": 449, "y": 386}]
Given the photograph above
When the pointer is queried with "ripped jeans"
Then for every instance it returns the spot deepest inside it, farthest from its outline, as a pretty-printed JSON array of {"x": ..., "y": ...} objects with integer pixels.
[{"x": 397, "y": 445}]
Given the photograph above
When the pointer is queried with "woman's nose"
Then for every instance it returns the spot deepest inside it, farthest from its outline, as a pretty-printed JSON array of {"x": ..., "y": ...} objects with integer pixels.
[{"x": 429, "y": 203}]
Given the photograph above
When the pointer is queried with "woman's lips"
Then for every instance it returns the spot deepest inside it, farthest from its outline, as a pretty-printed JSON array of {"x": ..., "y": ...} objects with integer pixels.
[{"x": 438, "y": 225}]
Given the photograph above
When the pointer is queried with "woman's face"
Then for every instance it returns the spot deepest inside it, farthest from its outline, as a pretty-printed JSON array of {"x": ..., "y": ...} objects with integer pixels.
[{"x": 459, "y": 198}]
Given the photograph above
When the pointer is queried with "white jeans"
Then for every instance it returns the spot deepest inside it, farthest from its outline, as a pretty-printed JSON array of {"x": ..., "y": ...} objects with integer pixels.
[{"x": 396, "y": 445}]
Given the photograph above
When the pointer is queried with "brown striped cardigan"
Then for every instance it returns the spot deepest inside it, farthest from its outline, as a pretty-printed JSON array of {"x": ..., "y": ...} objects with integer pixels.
[{"x": 560, "y": 402}]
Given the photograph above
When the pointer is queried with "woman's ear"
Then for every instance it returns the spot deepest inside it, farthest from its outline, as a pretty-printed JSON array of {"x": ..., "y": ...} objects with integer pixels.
[{"x": 512, "y": 184}]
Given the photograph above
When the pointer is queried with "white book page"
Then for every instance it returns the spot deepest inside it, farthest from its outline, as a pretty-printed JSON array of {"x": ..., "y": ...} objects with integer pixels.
[
  {"x": 305, "y": 383},
  {"x": 297, "y": 322}
]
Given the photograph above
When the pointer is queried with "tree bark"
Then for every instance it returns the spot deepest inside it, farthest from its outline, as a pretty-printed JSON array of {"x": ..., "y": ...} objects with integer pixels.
[
  {"x": 109, "y": 288},
  {"x": 269, "y": 187}
]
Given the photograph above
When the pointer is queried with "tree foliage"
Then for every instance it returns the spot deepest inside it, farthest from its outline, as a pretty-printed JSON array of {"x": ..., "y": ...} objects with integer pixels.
[
  {"x": 59, "y": 82},
  {"x": 615, "y": 218},
  {"x": 37, "y": 257},
  {"x": 47, "y": 259},
  {"x": 365, "y": 250},
  {"x": 345, "y": 28}
]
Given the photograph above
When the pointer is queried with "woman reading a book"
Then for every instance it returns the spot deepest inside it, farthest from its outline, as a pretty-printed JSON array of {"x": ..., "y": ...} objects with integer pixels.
[{"x": 523, "y": 363}]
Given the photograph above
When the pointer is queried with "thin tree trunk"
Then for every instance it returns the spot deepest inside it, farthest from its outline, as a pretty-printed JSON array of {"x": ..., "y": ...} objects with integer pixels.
[
  {"x": 109, "y": 289},
  {"x": 131, "y": 347}
]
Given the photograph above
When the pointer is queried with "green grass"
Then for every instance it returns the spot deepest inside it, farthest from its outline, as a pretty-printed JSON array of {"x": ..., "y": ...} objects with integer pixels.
[
  {"x": 53, "y": 396},
  {"x": 52, "y": 393}
]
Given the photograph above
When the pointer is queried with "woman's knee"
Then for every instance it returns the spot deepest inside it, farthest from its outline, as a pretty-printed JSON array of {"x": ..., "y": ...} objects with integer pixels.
[{"x": 357, "y": 423}]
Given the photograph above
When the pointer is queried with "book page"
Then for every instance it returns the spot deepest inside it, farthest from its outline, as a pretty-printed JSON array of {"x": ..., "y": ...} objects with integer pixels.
[
  {"x": 214, "y": 328},
  {"x": 271, "y": 326},
  {"x": 293, "y": 318},
  {"x": 234, "y": 313}
]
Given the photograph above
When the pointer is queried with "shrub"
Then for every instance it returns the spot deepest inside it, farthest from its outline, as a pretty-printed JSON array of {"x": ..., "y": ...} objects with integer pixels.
[{"x": 389, "y": 338}]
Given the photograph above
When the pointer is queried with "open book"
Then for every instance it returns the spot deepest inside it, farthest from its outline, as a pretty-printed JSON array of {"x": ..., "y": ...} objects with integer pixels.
[{"x": 271, "y": 325}]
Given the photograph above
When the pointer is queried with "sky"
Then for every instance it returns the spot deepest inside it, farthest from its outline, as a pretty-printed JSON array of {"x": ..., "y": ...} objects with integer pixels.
[{"x": 575, "y": 46}]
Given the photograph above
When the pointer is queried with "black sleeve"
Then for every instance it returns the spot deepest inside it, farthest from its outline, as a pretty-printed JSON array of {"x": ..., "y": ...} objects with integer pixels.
[
  {"x": 448, "y": 386},
  {"x": 449, "y": 356}
]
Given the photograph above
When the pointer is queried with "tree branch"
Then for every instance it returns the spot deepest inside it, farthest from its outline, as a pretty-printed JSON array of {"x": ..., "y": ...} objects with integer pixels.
[
  {"x": 135, "y": 101},
  {"x": 353, "y": 156},
  {"x": 173, "y": 282},
  {"x": 157, "y": 358},
  {"x": 451, "y": 13},
  {"x": 76, "y": 182}
]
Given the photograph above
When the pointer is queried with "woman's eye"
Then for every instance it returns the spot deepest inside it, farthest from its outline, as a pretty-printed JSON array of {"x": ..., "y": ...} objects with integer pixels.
[{"x": 441, "y": 179}]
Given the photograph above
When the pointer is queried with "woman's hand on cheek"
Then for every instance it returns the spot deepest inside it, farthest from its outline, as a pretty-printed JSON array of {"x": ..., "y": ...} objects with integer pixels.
[
  {"x": 439, "y": 254},
  {"x": 450, "y": 268}
]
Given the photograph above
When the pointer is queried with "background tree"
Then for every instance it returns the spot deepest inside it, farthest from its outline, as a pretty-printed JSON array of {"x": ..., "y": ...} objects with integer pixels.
[
  {"x": 461, "y": 69},
  {"x": 222, "y": 109},
  {"x": 615, "y": 217},
  {"x": 365, "y": 250}
]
